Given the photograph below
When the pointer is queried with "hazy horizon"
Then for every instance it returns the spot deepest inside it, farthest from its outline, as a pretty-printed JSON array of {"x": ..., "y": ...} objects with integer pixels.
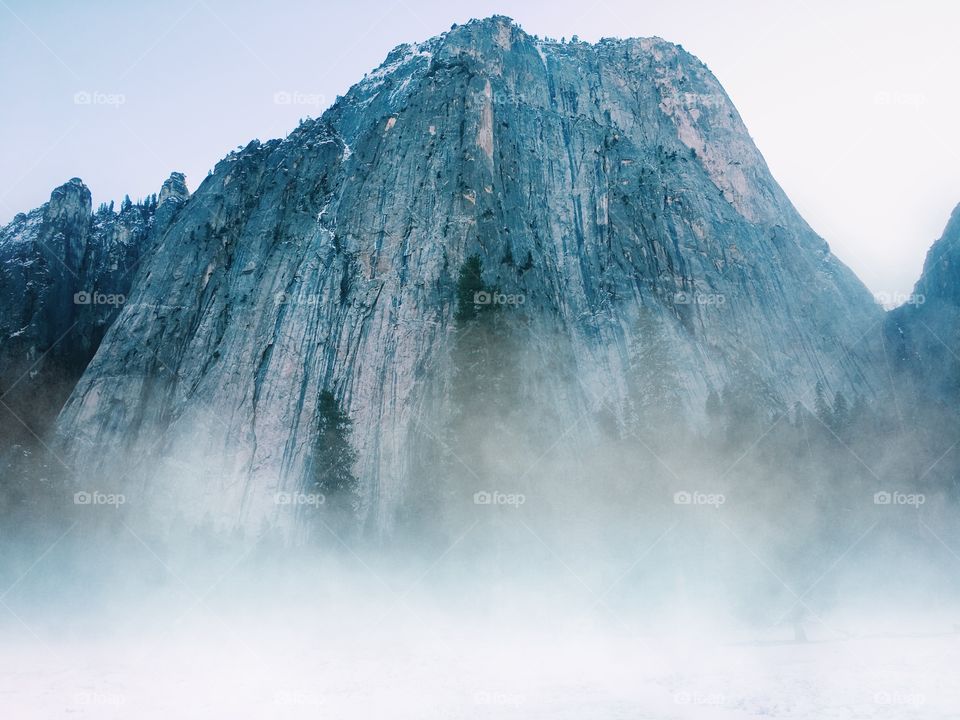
[{"x": 847, "y": 105}]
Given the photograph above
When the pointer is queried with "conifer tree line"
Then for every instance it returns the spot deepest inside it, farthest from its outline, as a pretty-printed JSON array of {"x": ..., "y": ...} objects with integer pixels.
[{"x": 836, "y": 449}]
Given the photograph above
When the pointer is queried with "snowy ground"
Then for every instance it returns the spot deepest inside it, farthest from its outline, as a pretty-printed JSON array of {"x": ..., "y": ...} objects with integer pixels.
[
  {"x": 145, "y": 632},
  {"x": 219, "y": 667}
]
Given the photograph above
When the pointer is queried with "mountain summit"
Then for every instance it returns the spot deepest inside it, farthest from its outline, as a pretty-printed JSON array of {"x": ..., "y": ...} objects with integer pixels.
[{"x": 603, "y": 201}]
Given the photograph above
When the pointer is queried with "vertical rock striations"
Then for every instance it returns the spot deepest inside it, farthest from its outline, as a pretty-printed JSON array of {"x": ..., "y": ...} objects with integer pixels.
[{"x": 600, "y": 186}]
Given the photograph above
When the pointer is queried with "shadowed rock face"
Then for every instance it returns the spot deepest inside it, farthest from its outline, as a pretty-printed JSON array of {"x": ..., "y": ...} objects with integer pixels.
[
  {"x": 64, "y": 274},
  {"x": 922, "y": 336},
  {"x": 603, "y": 184}
]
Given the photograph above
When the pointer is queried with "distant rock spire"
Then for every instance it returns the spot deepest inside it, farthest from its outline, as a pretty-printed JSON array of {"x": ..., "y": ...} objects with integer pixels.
[
  {"x": 67, "y": 217},
  {"x": 71, "y": 200},
  {"x": 174, "y": 187}
]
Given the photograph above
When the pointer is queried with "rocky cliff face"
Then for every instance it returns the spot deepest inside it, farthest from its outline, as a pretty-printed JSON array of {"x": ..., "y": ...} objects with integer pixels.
[
  {"x": 922, "y": 336},
  {"x": 600, "y": 186},
  {"x": 64, "y": 274}
]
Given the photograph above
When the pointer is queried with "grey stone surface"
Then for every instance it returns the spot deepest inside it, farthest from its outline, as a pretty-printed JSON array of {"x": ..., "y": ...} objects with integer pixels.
[
  {"x": 922, "y": 336},
  {"x": 65, "y": 272},
  {"x": 593, "y": 181}
]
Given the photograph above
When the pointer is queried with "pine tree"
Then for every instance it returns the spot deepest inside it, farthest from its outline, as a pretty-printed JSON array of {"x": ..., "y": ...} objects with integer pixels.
[
  {"x": 653, "y": 379},
  {"x": 333, "y": 455},
  {"x": 714, "y": 411},
  {"x": 469, "y": 287},
  {"x": 484, "y": 376},
  {"x": 483, "y": 389},
  {"x": 821, "y": 408},
  {"x": 713, "y": 406},
  {"x": 750, "y": 404},
  {"x": 841, "y": 415},
  {"x": 861, "y": 426}
]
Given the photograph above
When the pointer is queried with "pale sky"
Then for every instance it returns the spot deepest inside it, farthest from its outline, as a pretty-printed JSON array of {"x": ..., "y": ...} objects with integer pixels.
[{"x": 854, "y": 105}]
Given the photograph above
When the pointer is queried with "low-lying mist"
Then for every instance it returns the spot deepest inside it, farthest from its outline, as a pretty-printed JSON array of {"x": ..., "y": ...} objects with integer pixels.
[
  {"x": 665, "y": 575},
  {"x": 764, "y": 561}
]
